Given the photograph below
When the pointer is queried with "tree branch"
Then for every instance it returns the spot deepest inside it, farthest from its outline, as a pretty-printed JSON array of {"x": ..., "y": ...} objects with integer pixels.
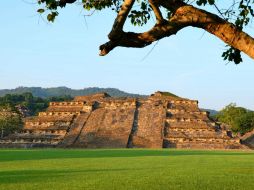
[
  {"x": 120, "y": 20},
  {"x": 62, "y": 3},
  {"x": 140, "y": 40},
  {"x": 67, "y": 1},
  {"x": 156, "y": 10},
  {"x": 183, "y": 15},
  {"x": 217, "y": 26}
]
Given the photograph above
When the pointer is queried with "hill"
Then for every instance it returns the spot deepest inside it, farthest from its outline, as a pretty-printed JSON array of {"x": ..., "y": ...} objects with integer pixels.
[
  {"x": 212, "y": 112},
  {"x": 64, "y": 91}
]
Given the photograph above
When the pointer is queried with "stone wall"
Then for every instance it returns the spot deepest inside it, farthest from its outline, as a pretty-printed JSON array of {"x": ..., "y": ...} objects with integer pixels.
[
  {"x": 109, "y": 126},
  {"x": 150, "y": 125}
]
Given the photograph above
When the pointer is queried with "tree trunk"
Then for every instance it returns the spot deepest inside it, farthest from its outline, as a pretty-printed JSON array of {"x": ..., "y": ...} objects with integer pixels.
[{"x": 217, "y": 26}]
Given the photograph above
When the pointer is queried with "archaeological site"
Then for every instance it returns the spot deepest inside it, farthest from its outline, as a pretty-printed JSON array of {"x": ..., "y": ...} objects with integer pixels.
[{"x": 100, "y": 121}]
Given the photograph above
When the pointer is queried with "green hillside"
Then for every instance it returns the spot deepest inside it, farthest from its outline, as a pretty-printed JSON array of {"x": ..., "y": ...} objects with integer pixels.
[{"x": 64, "y": 91}]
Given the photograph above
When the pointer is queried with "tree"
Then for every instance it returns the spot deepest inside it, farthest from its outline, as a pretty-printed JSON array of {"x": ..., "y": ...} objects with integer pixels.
[
  {"x": 26, "y": 104},
  {"x": 245, "y": 122},
  {"x": 240, "y": 119},
  {"x": 171, "y": 16},
  {"x": 10, "y": 121}
]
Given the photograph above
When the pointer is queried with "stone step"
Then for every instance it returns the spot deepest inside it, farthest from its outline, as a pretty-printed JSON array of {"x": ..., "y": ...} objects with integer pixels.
[
  {"x": 206, "y": 145},
  {"x": 204, "y": 140},
  {"x": 65, "y": 109},
  {"x": 75, "y": 130},
  {"x": 31, "y": 141},
  {"x": 188, "y": 120},
  {"x": 43, "y": 131},
  {"x": 50, "y": 128},
  {"x": 50, "y": 118},
  {"x": 35, "y": 136},
  {"x": 72, "y": 103},
  {"x": 187, "y": 116},
  {"x": 182, "y": 111},
  {"x": 190, "y": 102},
  {"x": 191, "y": 129},
  {"x": 49, "y": 113},
  {"x": 195, "y": 134},
  {"x": 47, "y": 125}
]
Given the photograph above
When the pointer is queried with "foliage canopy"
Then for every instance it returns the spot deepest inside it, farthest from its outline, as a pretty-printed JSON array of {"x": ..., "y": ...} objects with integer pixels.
[
  {"x": 227, "y": 21},
  {"x": 10, "y": 120},
  {"x": 240, "y": 119},
  {"x": 29, "y": 102}
]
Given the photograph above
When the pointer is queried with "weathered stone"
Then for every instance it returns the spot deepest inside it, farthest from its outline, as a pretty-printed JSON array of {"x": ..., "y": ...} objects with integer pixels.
[
  {"x": 75, "y": 130},
  {"x": 150, "y": 125},
  {"x": 108, "y": 127}
]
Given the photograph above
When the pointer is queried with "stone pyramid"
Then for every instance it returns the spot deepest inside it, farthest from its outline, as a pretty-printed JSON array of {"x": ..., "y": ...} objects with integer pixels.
[{"x": 161, "y": 120}]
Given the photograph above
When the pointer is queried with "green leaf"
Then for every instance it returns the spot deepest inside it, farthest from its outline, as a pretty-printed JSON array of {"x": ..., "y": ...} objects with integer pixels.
[{"x": 40, "y": 11}]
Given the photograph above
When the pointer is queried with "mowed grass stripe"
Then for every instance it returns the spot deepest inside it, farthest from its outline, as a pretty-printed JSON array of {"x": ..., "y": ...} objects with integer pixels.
[{"x": 125, "y": 169}]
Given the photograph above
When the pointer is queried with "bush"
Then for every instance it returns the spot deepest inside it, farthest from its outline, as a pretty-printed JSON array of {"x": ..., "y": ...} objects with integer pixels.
[{"x": 240, "y": 119}]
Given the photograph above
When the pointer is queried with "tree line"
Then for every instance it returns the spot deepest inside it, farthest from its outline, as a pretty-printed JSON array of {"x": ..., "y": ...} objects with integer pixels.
[
  {"x": 239, "y": 119},
  {"x": 14, "y": 107}
]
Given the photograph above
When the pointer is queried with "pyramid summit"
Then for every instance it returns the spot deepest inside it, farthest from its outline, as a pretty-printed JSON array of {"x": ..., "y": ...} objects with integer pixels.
[{"x": 162, "y": 120}]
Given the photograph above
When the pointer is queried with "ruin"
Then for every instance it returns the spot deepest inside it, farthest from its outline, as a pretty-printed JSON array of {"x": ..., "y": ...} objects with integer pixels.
[{"x": 100, "y": 121}]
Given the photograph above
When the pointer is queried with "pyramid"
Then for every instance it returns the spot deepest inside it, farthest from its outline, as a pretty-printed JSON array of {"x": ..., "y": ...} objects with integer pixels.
[{"x": 161, "y": 120}]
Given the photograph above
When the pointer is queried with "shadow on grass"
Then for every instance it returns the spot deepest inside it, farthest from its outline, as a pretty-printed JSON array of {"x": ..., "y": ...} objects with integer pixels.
[
  {"x": 27, "y": 176},
  {"x": 39, "y": 154}
]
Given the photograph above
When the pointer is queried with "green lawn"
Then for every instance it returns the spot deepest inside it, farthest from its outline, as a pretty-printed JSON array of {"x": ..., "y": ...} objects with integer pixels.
[{"x": 129, "y": 169}]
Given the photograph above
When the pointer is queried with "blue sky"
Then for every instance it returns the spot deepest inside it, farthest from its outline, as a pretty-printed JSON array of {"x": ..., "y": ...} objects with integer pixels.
[{"x": 35, "y": 53}]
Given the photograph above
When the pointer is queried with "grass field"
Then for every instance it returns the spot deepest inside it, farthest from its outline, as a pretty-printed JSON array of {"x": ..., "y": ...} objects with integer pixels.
[{"x": 129, "y": 169}]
